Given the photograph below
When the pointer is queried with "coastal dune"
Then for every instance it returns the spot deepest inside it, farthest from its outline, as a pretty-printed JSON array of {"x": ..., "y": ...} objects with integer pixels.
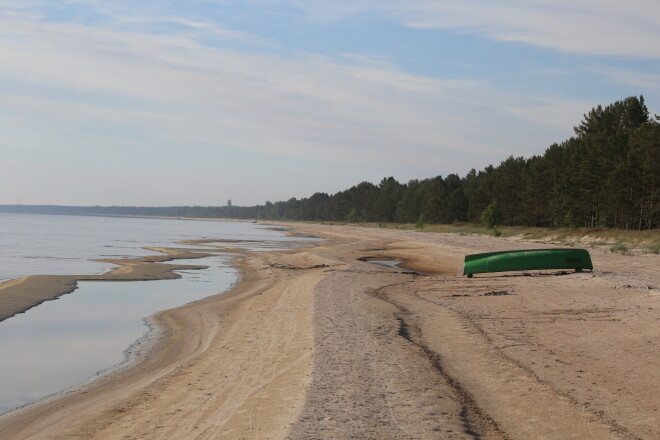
[{"x": 318, "y": 343}]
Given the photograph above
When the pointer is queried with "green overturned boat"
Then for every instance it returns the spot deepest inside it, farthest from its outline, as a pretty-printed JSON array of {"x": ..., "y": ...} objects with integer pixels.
[{"x": 530, "y": 259}]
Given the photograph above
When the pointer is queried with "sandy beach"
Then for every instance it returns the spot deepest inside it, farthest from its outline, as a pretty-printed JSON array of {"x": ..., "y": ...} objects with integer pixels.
[{"x": 317, "y": 343}]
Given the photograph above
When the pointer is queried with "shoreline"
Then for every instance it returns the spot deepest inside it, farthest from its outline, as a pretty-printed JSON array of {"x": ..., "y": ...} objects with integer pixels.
[
  {"x": 138, "y": 351},
  {"x": 314, "y": 342},
  {"x": 165, "y": 356},
  {"x": 145, "y": 268},
  {"x": 141, "y": 268},
  {"x": 143, "y": 345}
]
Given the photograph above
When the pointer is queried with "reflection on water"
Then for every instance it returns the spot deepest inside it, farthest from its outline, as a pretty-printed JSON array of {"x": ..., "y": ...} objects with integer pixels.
[
  {"x": 389, "y": 263},
  {"x": 392, "y": 262},
  {"x": 65, "y": 342}
]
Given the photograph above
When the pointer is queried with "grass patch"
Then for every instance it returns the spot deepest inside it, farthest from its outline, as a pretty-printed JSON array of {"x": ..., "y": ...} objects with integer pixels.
[
  {"x": 621, "y": 248},
  {"x": 653, "y": 249},
  {"x": 647, "y": 242}
]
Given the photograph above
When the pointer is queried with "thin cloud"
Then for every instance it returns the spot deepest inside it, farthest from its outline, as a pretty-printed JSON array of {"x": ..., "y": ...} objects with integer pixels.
[
  {"x": 594, "y": 27},
  {"x": 98, "y": 93},
  {"x": 311, "y": 107},
  {"x": 638, "y": 80},
  {"x": 591, "y": 27}
]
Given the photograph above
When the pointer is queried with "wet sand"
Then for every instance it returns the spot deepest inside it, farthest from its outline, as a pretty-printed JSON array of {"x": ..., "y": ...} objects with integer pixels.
[{"x": 315, "y": 343}]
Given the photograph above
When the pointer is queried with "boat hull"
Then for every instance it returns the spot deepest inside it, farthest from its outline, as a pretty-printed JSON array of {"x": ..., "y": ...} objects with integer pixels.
[{"x": 531, "y": 259}]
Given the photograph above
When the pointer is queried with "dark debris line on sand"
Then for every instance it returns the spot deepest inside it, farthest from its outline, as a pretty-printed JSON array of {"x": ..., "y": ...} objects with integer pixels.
[{"x": 369, "y": 380}]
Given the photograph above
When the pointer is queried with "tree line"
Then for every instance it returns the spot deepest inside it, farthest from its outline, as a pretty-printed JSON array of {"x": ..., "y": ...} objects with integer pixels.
[{"x": 607, "y": 175}]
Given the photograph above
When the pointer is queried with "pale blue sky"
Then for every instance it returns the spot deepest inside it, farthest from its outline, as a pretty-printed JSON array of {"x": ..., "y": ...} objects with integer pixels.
[{"x": 193, "y": 102}]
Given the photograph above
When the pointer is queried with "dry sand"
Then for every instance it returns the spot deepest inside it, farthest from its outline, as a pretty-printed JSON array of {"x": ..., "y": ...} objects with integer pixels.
[{"x": 314, "y": 343}]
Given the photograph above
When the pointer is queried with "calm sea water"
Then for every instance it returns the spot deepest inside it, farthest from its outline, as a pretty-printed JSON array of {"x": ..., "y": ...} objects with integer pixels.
[
  {"x": 32, "y": 244},
  {"x": 64, "y": 343}
]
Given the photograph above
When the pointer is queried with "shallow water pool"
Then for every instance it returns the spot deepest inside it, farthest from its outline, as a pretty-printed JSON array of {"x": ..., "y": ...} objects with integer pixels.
[{"x": 66, "y": 342}]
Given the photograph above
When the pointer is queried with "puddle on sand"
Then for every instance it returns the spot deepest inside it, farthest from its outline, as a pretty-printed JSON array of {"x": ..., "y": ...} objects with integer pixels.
[{"x": 389, "y": 262}]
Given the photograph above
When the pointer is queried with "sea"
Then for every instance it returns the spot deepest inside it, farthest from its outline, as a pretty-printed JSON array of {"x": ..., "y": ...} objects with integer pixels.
[
  {"x": 62, "y": 344},
  {"x": 34, "y": 244}
]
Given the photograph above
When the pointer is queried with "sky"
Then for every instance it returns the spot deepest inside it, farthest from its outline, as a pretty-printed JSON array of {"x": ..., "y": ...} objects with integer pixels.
[{"x": 193, "y": 102}]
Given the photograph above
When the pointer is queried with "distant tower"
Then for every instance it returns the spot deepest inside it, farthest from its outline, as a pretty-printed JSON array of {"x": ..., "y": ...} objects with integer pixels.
[{"x": 229, "y": 202}]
